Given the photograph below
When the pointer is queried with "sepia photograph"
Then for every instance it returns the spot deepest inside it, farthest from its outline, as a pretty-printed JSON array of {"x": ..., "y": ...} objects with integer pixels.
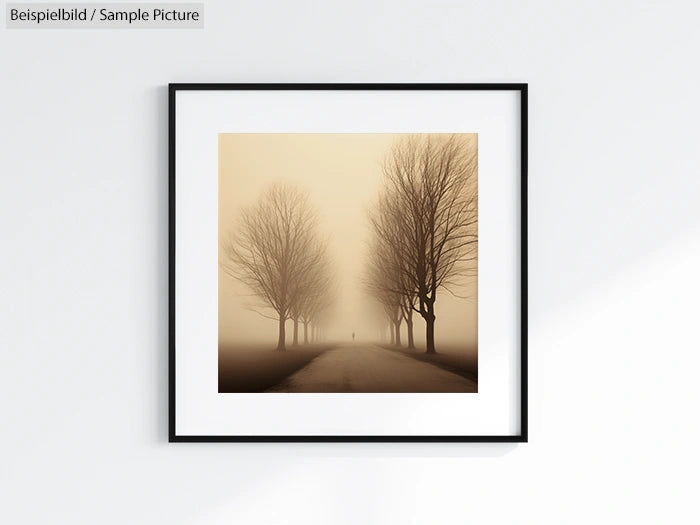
[{"x": 348, "y": 263}]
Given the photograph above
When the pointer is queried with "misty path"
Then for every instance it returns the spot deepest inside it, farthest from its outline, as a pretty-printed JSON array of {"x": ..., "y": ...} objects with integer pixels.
[{"x": 368, "y": 368}]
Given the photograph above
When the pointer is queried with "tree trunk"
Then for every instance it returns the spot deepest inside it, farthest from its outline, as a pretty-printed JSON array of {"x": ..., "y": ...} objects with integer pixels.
[
  {"x": 409, "y": 327},
  {"x": 430, "y": 330},
  {"x": 398, "y": 332},
  {"x": 295, "y": 341},
  {"x": 306, "y": 333},
  {"x": 391, "y": 331},
  {"x": 280, "y": 340}
]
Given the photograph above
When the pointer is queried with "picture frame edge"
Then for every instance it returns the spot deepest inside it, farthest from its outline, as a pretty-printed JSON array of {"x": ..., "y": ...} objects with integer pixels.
[{"x": 522, "y": 87}]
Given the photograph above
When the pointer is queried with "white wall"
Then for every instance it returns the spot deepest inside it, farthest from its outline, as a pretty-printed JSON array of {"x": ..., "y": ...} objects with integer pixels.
[{"x": 615, "y": 259}]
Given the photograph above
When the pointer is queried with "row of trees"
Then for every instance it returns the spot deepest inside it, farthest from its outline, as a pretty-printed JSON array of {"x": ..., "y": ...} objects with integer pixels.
[
  {"x": 424, "y": 228},
  {"x": 277, "y": 252}
]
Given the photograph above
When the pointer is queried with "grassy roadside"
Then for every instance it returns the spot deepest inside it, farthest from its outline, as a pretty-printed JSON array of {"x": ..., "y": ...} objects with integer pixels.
[
  {"x": 460, "y": 361},
  {"x": 255, "y": 368}
]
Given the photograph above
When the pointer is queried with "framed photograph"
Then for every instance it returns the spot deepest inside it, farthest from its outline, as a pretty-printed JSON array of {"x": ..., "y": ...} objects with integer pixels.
[{"x": 348, "y": 262}]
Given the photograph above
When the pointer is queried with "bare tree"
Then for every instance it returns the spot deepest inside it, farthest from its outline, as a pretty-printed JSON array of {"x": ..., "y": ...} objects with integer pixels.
[
  {"x": 390, "y": 282},
  {"x": 314, "y": 292},
  {"x": 384, "y": 283},
  {"x": 271, "y": 251},
  {"x": 307, "y": 285},
  {"x": 427, "y": 217},
  {"x": 322, "y": 318},
  {"x": 407, "y": 304},
  {"x": 316, "y": 305}
]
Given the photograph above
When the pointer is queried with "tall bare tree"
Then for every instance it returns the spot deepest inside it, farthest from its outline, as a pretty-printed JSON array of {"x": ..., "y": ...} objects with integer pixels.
[
  {"x": 427, "y": 217},
  {"x": 272, "y": 249},
  {"x": 313, "y": 290},
  {"x": 384, "y": 283},
  {"x": 390, "y": 281}
]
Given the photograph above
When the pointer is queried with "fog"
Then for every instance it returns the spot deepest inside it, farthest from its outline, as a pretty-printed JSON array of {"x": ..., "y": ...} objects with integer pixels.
[{"x": 342, "y": 175}]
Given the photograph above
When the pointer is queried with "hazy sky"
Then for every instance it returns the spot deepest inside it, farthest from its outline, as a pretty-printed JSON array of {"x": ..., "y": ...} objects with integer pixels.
[{"x": 342, "y": 175}]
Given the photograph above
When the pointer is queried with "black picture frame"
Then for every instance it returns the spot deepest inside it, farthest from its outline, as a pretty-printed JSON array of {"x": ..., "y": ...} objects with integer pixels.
[{"x": 522, "y": 88}]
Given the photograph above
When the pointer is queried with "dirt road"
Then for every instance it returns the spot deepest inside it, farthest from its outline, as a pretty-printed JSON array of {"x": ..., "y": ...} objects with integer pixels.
[{"x": 368, "y": 368}]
